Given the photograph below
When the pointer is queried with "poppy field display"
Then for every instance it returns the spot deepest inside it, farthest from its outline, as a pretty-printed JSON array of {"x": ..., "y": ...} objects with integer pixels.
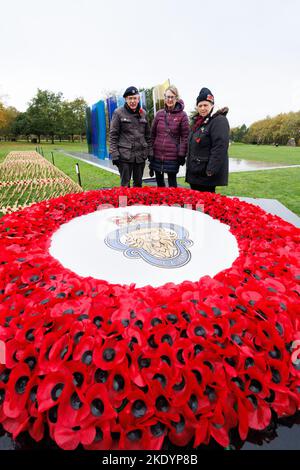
[
  {"x": 116, "y": 366},
  {"x": 27, "y": 177}
]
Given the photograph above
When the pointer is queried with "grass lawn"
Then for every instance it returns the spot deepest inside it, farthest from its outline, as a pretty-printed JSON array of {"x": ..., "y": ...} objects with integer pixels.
[
  {"x": 266, "y": 153},
  {"x": 91, "y": 176},
  {"x": 6, "y": 147},
  {"x": 283, "y": 185}
]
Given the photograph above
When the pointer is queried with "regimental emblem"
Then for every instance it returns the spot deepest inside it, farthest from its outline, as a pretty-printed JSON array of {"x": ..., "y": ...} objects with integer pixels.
[{"x": 160, "y": 244}]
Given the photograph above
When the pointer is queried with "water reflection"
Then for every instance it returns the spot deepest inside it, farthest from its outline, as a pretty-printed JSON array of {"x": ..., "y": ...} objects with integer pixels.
[{"x": 236, "y": 164}]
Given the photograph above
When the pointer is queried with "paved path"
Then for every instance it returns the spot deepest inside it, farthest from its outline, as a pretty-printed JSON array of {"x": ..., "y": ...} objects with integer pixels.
[{"x": 236, "y": 165}]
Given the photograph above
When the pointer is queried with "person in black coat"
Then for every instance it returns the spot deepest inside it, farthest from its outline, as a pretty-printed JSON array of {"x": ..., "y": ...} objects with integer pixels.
[
  {"x": 207, "y": 155},
  {"x": 130, "y": 139}
]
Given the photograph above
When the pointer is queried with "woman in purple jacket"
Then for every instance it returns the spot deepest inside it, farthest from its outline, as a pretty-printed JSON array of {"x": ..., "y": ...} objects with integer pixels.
[{"x": 169, "y": 134}]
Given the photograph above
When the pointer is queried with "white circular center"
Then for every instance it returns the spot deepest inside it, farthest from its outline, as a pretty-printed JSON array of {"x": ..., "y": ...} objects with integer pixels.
[{"x": 145, "y": 245}]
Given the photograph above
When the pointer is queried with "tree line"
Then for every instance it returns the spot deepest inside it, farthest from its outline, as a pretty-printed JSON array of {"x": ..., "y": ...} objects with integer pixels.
[
  {"x": 272, "y": 130},
  {"x": 48, "y": 115}
]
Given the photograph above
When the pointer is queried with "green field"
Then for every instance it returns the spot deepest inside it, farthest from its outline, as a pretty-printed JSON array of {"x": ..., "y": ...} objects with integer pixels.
[
  {"x": 266, "y": 153},
  {"x": 283, "y": 185},
  {"x": 280, "y": 184},
  {"x": 6, "y": 147}
]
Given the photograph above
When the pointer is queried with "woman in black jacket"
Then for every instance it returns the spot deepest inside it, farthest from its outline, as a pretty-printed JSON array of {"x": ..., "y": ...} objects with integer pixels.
[{"x": 207, "y": 157}]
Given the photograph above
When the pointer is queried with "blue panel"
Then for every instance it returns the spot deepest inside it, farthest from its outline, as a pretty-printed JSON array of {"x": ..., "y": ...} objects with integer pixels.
[
  {"x": 143, "y": 100},
  {"x": 88, "y": 121},
  {"x": 101, "y": 121},
  {"x": 94, "y": 130},
  {"x": 111, "y": 103},
  {"x": 120, "y": 101}
]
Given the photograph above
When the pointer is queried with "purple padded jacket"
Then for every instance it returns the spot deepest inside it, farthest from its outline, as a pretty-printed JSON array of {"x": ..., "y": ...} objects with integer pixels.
[{"x": 169, "y": 134}]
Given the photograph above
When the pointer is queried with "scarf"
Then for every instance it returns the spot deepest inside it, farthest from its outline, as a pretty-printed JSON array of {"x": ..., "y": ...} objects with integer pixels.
[{"x": 136, "y": 111}]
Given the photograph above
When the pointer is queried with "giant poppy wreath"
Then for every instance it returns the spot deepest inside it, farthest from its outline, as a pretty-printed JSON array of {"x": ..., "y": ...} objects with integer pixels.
[{"x": 119, "y": 367}]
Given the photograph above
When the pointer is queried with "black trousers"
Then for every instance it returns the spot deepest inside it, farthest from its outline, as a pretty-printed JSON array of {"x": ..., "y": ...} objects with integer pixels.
[
  {"x": 160, "y": 180},
  {"x": 203, "y": 188},
  {"x": 136, "y": 170}
]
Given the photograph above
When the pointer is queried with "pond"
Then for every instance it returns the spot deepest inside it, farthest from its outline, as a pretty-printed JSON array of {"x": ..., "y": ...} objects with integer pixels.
[{"x": 236, "y": 164}]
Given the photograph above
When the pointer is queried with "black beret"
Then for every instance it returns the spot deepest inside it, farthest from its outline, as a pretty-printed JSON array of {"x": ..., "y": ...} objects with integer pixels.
[
  {"x": 130, "y": 91},
  {"x": 205, "y": 95}
]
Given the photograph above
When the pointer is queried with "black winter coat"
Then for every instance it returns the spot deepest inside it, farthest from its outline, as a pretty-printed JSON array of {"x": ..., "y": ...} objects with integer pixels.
[
  {"x": 129, "y": 136},
  {"x": 208, "y": 151}
]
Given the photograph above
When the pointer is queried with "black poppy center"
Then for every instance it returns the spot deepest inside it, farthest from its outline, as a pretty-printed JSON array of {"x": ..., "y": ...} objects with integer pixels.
[
  {"x": 101, "y": 376},
  {"x": 97, "y": 407},
  {"x": 193, "y": 403},
  {"x": 109, "y": 354},
  {"x": 162, "y": 404},
  {"x": 2, "y": 395},
  {"x": 139, "y": 409},
  {"x": 161, "y": 379},
  {"x": 98, "y": 321},
  {"x": 52, "y": 413},
  {"x": 77, "y": 336},
  {"x": 134, "y": 435},
  {"x": 99, "y": 435},
  {"x": 29, "y": 335},
  {"x": 199, "y": 331},
  {"x": 31, "y": 362},
  {"x": 144, "y": 362},
  {"x": 179, "y": 386},
  {"x": 179, "y": 426},
  {"x": 218, "y": 331},
  {"x": 239, "y": 383},
  {"x": 157, "y": 429},
  {"x": 57, "y": 391},
  {"x": 87, "y": 357},
  {"x": 255, "y": 386},
  {"x": 21, "y": 383},
  {"x": 118, "y": 383},
  {"x": 78, "y": 379},
  {"x": 179, "y": 356},
  {"x": 167, "y": 339},
  {"x": 155, "y": 321},
  {"x": 75, "y": 401}
]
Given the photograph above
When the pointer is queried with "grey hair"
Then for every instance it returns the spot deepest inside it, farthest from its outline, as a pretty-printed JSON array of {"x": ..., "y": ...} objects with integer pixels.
[{"x": 173, "y": 90}]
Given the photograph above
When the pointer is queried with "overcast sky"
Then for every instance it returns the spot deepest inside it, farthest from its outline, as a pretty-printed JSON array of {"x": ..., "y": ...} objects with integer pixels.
[{"x": 246, "y": 52}]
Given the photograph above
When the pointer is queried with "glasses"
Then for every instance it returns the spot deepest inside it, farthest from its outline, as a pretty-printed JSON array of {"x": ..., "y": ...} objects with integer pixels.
[{"x": 169, "y": 97}]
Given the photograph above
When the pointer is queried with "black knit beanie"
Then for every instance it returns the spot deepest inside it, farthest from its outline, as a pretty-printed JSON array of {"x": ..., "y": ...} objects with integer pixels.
[{"x": 205, "y": 95}]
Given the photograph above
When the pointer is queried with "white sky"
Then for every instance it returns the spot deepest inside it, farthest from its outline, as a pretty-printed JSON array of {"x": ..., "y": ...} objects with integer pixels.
[{"x": 247, "y": 53}]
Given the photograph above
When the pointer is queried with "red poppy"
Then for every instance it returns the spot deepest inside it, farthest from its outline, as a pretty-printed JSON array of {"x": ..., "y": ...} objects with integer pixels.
[
  {"x": 112, "y": 366},
  {"x": 102, "y": 439},
  {"x": 97, "y": 399},
  {"x": 110, "y": 354},
  {"x": 17, "y": 391},
  {"x": 53, "y": 388},
  {"x": 70, "y": 438}
]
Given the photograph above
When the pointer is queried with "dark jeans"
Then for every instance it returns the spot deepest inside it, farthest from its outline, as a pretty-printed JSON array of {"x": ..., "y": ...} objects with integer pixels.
[
  {"x": 203, "y": 188},
  {"x": 160, "y": 180},
  {"x": 135, "y": 170}
]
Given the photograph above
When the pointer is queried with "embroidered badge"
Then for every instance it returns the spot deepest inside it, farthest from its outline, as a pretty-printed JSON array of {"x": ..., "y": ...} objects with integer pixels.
[{"x": 163, "y": 245}]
